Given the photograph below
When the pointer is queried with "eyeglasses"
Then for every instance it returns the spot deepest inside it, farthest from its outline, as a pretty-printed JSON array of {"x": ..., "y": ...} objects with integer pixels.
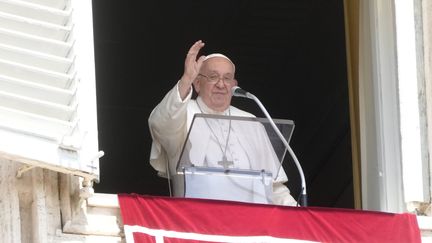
[{"x": 214, "y": 78}]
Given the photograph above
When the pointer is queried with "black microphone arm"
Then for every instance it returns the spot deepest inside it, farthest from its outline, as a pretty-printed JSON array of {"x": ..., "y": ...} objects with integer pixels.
[{"x": 239, "y": 92}]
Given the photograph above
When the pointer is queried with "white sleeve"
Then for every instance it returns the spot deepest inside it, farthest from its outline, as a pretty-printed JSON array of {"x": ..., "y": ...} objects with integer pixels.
[
  {"x": 167, "y": 123},
  {"x": 282, "y": 196}
]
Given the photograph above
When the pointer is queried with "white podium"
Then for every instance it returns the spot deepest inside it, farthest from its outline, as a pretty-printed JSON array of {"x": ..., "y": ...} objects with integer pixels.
[{"x": 233, "y": 158}]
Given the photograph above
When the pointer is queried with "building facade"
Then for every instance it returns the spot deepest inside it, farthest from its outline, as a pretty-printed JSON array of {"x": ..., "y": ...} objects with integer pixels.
[{"x": 48, "y": 138}]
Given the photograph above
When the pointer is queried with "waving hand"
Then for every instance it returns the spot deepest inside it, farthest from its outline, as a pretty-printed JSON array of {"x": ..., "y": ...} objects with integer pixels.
[{"x": 191, "y": 68}]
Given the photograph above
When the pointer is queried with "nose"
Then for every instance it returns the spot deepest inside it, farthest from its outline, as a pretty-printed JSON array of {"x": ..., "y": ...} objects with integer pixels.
[{"x": 220, "y": 83}]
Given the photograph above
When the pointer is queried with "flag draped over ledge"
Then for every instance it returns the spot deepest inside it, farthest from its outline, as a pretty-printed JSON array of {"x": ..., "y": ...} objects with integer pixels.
[{"x": 163, "y": 219}]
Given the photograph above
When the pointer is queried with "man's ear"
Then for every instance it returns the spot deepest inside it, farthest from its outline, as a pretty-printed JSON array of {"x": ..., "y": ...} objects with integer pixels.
[
  {"x": 235, "y": 82},
  {"x": 196, "y": 84}
]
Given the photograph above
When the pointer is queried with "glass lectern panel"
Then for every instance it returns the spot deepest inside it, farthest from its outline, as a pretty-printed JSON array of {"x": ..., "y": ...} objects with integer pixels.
[{"x": 234, "y": 144}]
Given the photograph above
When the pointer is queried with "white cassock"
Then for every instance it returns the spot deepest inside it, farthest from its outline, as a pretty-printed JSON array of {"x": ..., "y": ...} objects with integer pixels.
[{"x": 169, "y": 123}]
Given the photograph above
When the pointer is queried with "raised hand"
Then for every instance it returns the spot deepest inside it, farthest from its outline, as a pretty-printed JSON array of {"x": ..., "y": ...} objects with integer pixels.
[{"x": 191, "y": 68}]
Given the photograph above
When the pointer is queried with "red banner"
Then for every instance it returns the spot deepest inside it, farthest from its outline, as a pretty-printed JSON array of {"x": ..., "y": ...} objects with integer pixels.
[{"x": 163, "y": 219}]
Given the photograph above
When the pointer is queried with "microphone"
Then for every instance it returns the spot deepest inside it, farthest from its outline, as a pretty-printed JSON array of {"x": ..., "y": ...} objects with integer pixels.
[{"x": 239, "y": 92}]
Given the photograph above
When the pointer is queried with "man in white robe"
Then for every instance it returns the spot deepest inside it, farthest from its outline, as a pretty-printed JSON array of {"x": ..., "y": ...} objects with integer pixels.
[{"x": 212, "y": 77}]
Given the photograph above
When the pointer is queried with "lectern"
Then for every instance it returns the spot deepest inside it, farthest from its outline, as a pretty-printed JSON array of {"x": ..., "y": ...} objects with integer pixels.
[{"x": 233, "y": 158}]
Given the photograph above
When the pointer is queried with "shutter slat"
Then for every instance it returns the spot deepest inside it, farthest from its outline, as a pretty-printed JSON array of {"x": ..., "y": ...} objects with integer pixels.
[
  {"x": 36, "y": 75},
  {"x": 35, "y": 43},
  {"x": 36, "y": 12},
  {"x": 33, "y": 124},
  {"x": 35, "y": 106},
  {"x": 57, "y": 4},
  {"x": 35, "y": 59},
  {"x": 34, "y": 27},
  {"x": 37, "y": 91}
]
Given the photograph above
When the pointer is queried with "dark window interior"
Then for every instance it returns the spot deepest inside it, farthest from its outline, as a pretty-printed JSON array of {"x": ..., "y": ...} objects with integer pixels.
[{"x": 289, "y": 53}]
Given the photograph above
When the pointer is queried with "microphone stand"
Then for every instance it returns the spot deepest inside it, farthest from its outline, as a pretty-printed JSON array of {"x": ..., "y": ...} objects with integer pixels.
[{"x": 242, "y": 93}]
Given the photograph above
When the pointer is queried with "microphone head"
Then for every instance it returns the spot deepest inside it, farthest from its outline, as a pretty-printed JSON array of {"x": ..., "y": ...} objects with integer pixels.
[
  {"x": 233, "y": 90},
  {"x": 239, "y": 92}
]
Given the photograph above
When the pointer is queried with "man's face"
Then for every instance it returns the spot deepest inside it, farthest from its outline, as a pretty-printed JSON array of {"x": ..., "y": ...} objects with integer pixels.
[{"x": 216, "y": 94}]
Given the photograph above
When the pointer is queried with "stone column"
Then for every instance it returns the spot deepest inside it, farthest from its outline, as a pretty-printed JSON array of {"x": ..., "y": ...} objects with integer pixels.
[{"x": 10, "y": 222}]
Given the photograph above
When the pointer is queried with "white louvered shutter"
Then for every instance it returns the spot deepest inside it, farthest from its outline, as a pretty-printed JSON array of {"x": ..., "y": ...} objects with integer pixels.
[{"x": 47, "y": 85}]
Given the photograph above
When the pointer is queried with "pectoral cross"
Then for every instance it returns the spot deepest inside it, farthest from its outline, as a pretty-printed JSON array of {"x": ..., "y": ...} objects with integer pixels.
[{"x": 225, "y": 163}]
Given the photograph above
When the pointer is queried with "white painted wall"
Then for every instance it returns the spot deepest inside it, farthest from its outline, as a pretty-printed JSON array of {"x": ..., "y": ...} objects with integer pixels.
[
  {"x": 379, "y": 111},
  {"x": 396, "y": 108}
]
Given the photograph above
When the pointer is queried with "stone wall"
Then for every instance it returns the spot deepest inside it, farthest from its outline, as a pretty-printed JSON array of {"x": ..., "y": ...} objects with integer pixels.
[{"x": 46, "y": 206}]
